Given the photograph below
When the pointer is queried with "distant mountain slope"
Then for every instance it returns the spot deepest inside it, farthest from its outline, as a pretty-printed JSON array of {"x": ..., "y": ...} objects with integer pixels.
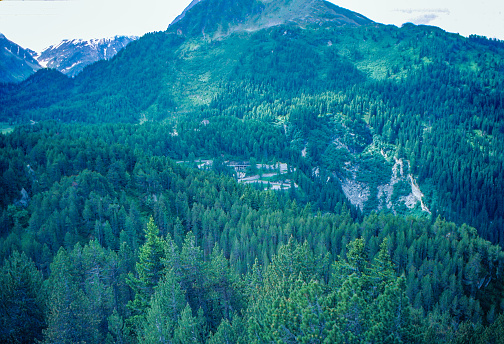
[
  {"x": 71, "y": 56},
  {"x": 16, "y": 63},
  {"x": 405, "y": 120},
  {"x": 210, "y": 17}
]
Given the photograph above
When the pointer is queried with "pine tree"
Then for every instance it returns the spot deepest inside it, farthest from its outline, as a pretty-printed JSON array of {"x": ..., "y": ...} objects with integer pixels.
[
  {"x": 229, "y": 332},
  {"x": 382, "y": 269},
  {"x": 301, "y": 317},
  {"x": 163, "y": 314},
  {"x": 390, "y": 316},
  {"x": 149, "y": 270},
  {"x": 354, "y": 263},
  {"x": 70, "y": 317},
  {"x": 494, "y": 333},
  {"x": 189, "y": 329},
  {"x": 192, "y": 272},
  {"x": 97, "y": 268},
  {"x": 116, "y": 328},
  {"x": 220, "y": 287},
  {"x": 351, "y": 309},
  {"x": 21, "y": 300}
]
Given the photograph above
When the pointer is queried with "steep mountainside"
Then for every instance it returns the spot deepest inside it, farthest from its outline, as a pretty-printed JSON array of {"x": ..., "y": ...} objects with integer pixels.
[
  {"x": 16, "y": 63},
  {"x": 219, "y": 17},
  {"x": 71, "y": 56},
  {"x": 391, "y": 119}
]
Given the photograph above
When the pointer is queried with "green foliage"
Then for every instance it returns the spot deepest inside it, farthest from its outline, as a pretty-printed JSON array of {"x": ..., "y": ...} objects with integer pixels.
[
  {"x": 211, "y": 268},
  {"x": 306, "y": 89},
  {"x": 148, "y": 268},
  {"x": 81, "y": 294},
  {"x": 131, "y": 246},
  {"x": 166, "y": 305},
  {"x": 189, "y": 329},
  {"x": 291, "y": 310},
  {"x": 22, "y": 300}
]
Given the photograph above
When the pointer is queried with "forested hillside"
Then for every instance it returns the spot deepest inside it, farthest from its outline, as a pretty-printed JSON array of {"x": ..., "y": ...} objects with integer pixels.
[
  {"x": 390, "y": 229},
  {"x": 16, "y": 63},
  {"x": 116, "y": 238},
  {"x": 349, "y": 100}
]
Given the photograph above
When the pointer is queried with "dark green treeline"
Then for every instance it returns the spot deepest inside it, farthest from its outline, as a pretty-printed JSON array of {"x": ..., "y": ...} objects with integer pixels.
[{"x": 119, "y": 243}]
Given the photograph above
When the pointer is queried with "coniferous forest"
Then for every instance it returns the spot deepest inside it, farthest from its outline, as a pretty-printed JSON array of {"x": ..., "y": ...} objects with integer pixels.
[{"x": 389, "y": 228}]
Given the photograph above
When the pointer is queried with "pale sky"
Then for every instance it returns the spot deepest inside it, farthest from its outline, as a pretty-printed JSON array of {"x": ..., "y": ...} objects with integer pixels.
[{"x": 37, "y": 24}]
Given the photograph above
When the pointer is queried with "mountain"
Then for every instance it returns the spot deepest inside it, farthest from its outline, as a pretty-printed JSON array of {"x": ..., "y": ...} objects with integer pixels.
[
  {"x": 257, "y": 175},
  {"x": 404, "y": 120},
  {"x": 220, "y": 17},
  {"x": 71, "y": 56},
  {"x": 16, "y": 63}
]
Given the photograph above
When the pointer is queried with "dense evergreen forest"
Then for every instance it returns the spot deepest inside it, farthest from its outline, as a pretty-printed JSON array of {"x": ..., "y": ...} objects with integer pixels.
[
  {"x": 109, "y": 233},
  {"x": 351, "y": 98},
  {"x": 113, "y": 241}
]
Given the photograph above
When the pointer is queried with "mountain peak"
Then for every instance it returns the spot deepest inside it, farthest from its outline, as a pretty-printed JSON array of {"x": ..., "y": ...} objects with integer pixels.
[
  {"x": 221, "y": 17},
  {"x": 70, "y": 56}
]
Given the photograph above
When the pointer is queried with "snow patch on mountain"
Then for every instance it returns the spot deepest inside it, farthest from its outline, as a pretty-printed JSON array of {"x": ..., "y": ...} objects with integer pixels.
[
  {"x": 16, "y": 63},
  {"x": 71, "y": 56}
]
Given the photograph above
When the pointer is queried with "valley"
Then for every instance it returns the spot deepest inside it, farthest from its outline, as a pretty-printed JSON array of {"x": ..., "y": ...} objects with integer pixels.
[{"x": 262, "y": 171}]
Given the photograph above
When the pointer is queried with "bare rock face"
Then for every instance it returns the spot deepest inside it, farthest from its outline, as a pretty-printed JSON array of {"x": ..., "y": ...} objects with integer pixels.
[{"x": 24, "y": 199}]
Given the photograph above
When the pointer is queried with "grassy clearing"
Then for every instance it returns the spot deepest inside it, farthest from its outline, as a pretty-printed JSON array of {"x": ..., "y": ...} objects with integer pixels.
[{"x": 6, "y": 128}]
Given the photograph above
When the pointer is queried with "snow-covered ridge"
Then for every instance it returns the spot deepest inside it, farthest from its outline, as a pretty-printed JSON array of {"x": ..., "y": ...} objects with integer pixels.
[
  {"x": 96, "y": 42},
  {"x": 70, "y": 56}
]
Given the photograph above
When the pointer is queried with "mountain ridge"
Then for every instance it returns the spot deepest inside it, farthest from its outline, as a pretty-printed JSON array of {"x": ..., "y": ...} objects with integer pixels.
[
  {"x": 221, "y": 17},
  {"x": 16, "y": 63},
  {"x": 70, "y": 56}
]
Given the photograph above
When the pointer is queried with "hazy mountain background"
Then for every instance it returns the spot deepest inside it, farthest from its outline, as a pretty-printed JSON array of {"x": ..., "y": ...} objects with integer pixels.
[
  {"x": 68, "y": 57},
  {"x": 71, "y": 56}
]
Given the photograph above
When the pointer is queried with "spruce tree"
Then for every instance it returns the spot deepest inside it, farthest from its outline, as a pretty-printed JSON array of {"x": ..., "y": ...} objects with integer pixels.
[
  {"x": 149, "y": 270},
  {"x": 165, "y": 309},
  {"x": 22, "y": 299}
]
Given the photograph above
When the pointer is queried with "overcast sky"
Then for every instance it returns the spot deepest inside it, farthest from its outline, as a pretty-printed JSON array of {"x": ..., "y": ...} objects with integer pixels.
[{"x": 36, "y": 24}]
